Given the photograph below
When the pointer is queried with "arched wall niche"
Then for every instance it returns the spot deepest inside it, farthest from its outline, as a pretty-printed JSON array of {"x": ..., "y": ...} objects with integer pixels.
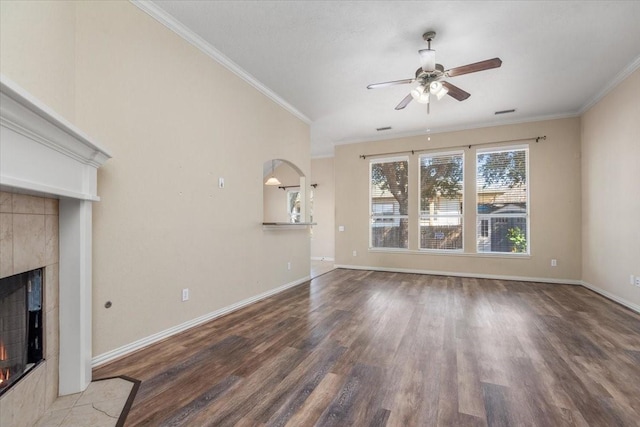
[{"x": 288, "y": 201}]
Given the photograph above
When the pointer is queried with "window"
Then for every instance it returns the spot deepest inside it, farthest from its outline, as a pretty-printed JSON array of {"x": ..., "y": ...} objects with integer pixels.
[
  {"x": 484, "y": 228},
  {"x": 441, "y": 182},
  {"x": 389, "y": 203},
  {"x": 502, "y": 201},
  {"x": 293, "y": 205}
]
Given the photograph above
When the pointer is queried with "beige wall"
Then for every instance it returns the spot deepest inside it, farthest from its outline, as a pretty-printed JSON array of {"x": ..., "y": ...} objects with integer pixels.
[
  {"x": 554, "y": 199},
  {"x": 29, "y": 240},
  {"x": 610, "y": 185},
  {"x": 175, "y": 121},
  {"x": 37, "y": 50},
  {"x": 323, "y": 239}
]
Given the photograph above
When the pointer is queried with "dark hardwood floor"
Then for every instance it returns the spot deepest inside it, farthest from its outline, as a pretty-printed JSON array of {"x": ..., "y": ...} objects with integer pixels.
[{"x": 361, "y": 348}]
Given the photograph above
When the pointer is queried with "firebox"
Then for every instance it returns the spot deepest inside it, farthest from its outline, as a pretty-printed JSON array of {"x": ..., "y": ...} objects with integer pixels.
[{"x": 21, "y": 327}]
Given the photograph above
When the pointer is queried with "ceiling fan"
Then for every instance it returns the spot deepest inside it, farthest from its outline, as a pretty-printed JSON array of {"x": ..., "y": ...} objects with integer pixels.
[{"x": 430, "y": 77}]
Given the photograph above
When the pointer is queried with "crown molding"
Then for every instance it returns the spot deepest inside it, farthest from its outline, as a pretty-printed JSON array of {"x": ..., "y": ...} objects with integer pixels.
[
  {"x": 611, "y": 84},
  {"x": 180, "y": 29}
]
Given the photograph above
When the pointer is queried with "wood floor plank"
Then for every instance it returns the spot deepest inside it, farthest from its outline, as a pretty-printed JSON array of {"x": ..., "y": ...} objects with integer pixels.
[
  {"x": 313, "y": 407},
  {"x": 368, "y": 348},
  {"x": 357, "y": 402},
  {"x": 470, "y": 399}
]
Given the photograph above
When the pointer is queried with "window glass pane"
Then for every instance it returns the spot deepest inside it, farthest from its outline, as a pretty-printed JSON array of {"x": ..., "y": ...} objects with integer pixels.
[
  {"x": 502, "y": 182},
  {"x": 389, "y": 232},
  {"x": 389, "y": 182},
  {"x": 440, "y": 236},
  {"x": 502, "y": 234},
  {"x": 502, "y": 201},
  {"x": 441, "y": 186}
]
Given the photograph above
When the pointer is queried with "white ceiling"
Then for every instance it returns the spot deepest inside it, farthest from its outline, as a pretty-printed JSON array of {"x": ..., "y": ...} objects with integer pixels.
[{"x": 319, "y": 56}]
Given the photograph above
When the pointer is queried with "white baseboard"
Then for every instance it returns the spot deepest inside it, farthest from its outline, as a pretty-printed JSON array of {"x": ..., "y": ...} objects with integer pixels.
[
  {"x": 144, "y": 342},
  {"x": 612, "y": 297},
  {"x": 322, "y": 258},
  {"x": 458, "y": 274}
]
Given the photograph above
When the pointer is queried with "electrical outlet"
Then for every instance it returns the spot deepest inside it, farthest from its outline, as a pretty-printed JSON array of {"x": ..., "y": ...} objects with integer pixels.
[
  {"x": 289, "y": 265},
  {"x": 220, "y": 182},
  {"x": 355, "y": 253},
  {"x": 554, "y": 262},
  {"x": 341, "y": 228},
  {"x": 185, "y": 294},
  {"x": 638, "y": 281}
]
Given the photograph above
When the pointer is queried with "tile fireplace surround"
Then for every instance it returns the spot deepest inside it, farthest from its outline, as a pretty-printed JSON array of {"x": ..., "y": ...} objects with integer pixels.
[
  {"x": 48, "y": 182},
  {"x": 29, "y": 240}
]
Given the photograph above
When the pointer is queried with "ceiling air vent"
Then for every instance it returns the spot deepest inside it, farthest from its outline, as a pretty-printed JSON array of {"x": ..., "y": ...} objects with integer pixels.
[
  {"x": 384, "y": 128},
  {"x": 513, "y": 110}
]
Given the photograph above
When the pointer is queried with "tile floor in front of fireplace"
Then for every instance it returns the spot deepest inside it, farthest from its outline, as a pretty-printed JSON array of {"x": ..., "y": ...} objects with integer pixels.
[{"x": 100, "y": 405}]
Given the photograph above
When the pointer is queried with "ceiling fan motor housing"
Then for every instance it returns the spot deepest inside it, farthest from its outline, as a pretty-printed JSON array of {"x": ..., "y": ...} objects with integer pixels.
[{"x": 430, "y": 76}]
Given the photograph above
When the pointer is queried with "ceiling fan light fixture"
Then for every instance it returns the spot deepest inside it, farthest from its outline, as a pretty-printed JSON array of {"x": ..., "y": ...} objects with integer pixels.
[
  {"x": 428, "y": 59},
  {"x": 437, "y": 89},
  {"x": 417, "y": 92},
  {"x": 420, "y": 94}
]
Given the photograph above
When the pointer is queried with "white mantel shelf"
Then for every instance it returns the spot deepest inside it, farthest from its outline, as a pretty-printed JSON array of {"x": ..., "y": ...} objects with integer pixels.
[
  {"x": 286, "y": 225},
  {"x": 43, "y": 154}
]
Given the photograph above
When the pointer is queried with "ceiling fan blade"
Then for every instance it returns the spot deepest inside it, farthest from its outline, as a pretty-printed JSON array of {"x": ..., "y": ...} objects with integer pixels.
[
  {"x": 393, "y": 83},
  {"x": 407, "y": 99},
  {"x": 474, "y": 68},
  {"x": 455, "y": 92}
]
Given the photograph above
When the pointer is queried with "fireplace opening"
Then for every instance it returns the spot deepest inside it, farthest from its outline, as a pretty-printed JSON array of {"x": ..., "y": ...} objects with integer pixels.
[{"x": 21, "y": 327}]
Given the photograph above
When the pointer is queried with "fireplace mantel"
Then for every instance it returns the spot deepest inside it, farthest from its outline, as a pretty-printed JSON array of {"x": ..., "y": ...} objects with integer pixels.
[{"x": 43, "y": 154}]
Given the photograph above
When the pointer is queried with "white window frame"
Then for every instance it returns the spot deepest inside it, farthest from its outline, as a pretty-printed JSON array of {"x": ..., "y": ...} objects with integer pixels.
[
  {"x": 526, "y": 215},
  {"x": 460, "y": 216},
  {"x": 395, "y": 218}
]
